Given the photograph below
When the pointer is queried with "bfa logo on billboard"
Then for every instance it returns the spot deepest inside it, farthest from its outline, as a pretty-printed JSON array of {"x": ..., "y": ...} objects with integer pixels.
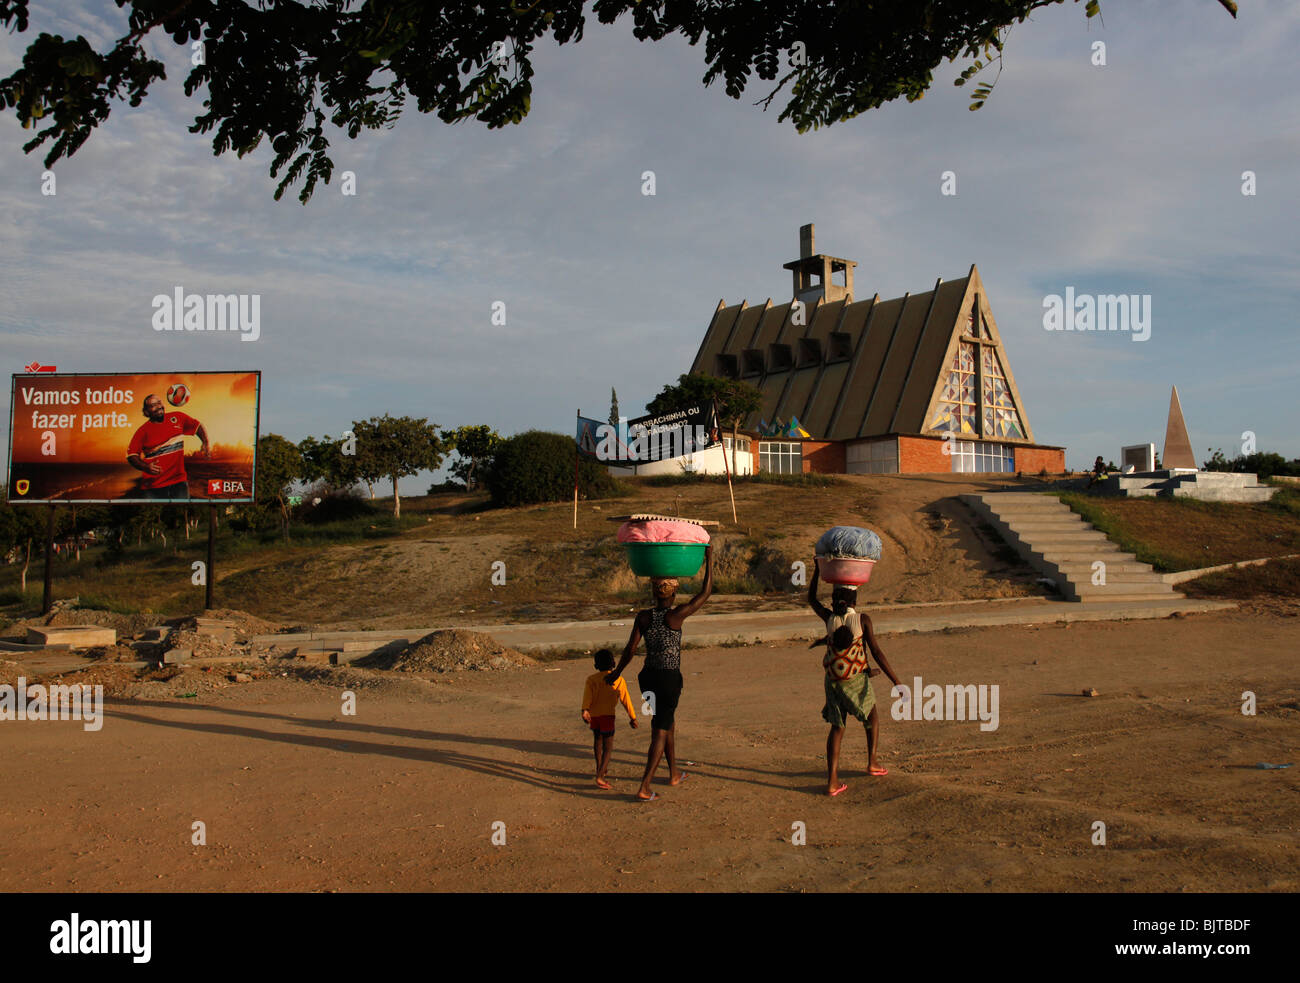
[
  {"x": 22, "y": 484},
  {"x": 218, "y": 486}
]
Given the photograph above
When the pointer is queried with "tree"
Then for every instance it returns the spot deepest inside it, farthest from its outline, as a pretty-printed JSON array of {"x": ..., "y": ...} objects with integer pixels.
[
  {"x": 20, "y": 527},
  {"x": 736, "y": 400},
  {"x": 279, "y": 465},
  {"x": 613, "y": 408},
  {"x": 1265, "y": 464},
  {"x": 536, "y": 466},
  {"x": 473, "y": 446},
  {"x": 324, "y": 460},
  {"x": 280, "y": 69},
  {"x": 396, "y": 446}
]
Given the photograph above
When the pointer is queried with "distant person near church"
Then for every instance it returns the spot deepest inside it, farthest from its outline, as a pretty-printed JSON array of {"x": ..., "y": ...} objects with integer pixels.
[{"x": 1098, "y": 471}]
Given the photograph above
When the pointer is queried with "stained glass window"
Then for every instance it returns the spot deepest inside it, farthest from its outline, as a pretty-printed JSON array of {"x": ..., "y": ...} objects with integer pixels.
[
  {"x": 977, "y": 326},
  {"x": 957, "y": 408},
  {"x": 1000, "y": 416}
]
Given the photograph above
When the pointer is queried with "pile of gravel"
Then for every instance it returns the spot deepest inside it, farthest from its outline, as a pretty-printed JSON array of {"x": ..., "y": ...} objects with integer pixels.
[{"x": 449, "y": 650}]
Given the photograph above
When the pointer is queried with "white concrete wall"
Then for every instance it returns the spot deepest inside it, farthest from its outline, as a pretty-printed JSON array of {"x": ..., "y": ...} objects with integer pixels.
[{"x": 701, "y": 462}]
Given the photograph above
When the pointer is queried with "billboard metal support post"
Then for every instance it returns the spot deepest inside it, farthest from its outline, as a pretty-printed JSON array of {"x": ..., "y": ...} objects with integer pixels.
[
  {"x": 212, "y": 543},
  {"x": 47, "y": 601}
]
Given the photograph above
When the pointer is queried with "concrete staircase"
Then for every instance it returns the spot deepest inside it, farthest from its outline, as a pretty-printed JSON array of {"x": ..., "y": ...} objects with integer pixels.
[
  {"x": 1208, "y": 486},
  {"x": 1064, "y": 548}
]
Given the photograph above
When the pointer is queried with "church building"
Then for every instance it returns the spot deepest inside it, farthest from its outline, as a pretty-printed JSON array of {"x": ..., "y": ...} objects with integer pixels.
[{"x": 917, "y": 384}]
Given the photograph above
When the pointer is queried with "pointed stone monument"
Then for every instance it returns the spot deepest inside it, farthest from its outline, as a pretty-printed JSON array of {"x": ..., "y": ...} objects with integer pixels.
[{"x": 1178, "y": 446}]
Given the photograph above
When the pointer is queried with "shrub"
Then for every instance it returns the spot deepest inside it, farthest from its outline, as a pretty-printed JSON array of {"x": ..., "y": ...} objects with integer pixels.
[
  {"x": 536, "y": 466},
  {"x": 1266, "y": 464},
  {"x": 336, "y": 505}
]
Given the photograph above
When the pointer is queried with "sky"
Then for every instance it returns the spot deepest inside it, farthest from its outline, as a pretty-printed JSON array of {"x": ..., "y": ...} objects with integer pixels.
[{"x": 1125, "y": 177}]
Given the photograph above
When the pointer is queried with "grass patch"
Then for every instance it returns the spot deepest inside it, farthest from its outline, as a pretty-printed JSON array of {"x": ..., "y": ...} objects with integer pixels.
[
  {"x": 99, "y": 602},
  {"x": 12, "y": 596},
  {"x": 762, "y": 478},
  {"x": 359, "y": 529},
  {"x": 1175, "y": 534},
  {"x": 810, "y": 480},
  {"x": 738, "y": 585},
  {"x": 733, "y": 643},
  {"x": 1280, "y": 578},
  {"x": 1286, "y": 500},
  {"x": 1104, "y": 519}
]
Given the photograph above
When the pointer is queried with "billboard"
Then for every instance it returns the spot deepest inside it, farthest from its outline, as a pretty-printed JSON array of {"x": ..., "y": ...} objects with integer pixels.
[{"x": 133, "y": 437}]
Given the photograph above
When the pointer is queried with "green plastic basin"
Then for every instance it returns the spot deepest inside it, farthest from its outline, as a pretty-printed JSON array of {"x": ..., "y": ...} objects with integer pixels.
[{"x": 665, "y": 559}]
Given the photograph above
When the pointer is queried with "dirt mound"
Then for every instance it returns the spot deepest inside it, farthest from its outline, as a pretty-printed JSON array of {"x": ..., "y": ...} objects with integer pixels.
[
  {"x": 231, "y": 641},
  {"x": 245, "y": 625},
  {"x": 204, "y": 646},
  {"x": 121, "y": 652},
  {"x": 450, "y": 650}
]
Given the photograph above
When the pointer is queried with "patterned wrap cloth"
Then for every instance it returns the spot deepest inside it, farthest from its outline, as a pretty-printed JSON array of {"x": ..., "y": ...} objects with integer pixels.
[{"x": 847, "y": 681}]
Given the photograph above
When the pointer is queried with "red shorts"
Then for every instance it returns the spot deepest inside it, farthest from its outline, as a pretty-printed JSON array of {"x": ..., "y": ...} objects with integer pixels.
[{"x": 603, "y": 725}]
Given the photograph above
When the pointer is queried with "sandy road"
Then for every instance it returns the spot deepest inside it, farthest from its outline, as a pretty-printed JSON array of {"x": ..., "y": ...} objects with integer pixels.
[{"x": 403, "y": 796}]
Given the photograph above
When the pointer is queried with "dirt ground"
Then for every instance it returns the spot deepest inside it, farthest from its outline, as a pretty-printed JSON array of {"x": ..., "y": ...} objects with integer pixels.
[
  {"x": 297, "y": 796},
  {"x": 442, "y": 573}
]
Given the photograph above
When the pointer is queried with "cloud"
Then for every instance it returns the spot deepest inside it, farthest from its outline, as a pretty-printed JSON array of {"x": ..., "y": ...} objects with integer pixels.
[{"x": 1122, "y": 177}]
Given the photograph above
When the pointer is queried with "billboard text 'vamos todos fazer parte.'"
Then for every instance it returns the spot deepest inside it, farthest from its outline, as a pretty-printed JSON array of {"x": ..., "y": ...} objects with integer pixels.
[{"x": 133, "y": 437}]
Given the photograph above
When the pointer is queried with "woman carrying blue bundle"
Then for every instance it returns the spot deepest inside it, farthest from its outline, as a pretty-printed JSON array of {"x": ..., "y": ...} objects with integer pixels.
[{"x": 848, "y": 639}]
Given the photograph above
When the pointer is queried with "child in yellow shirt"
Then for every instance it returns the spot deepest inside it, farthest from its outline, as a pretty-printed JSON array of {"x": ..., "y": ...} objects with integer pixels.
[{"x": 599, "y": 701}]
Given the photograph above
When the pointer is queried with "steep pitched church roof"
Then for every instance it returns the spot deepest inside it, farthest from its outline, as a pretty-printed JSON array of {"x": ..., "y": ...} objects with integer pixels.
[{"x": 916, "y": 364}]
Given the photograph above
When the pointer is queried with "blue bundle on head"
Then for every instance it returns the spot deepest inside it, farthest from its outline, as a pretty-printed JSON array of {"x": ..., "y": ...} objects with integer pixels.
[{"x": 849, "y": 541}]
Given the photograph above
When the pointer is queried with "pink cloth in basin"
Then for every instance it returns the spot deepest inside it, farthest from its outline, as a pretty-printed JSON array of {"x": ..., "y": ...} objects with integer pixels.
[{"x": 661, "y": 531}]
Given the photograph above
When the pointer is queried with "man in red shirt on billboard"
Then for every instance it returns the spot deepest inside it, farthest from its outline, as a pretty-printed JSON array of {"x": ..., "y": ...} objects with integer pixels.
[{"x": 158, "y": 450}]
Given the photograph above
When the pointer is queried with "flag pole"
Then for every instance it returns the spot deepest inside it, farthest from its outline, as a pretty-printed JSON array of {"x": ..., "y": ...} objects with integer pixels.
[
  {"x": 577, "y": 451},
  {"x": 725, "y": 466}
]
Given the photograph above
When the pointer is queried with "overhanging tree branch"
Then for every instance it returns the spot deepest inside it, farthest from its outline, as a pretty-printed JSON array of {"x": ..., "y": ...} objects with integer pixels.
[{"x": 281, "y": 70}]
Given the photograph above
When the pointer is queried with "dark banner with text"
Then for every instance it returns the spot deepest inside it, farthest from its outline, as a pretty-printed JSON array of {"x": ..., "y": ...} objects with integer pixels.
[{"x": 654, "y": 437}]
